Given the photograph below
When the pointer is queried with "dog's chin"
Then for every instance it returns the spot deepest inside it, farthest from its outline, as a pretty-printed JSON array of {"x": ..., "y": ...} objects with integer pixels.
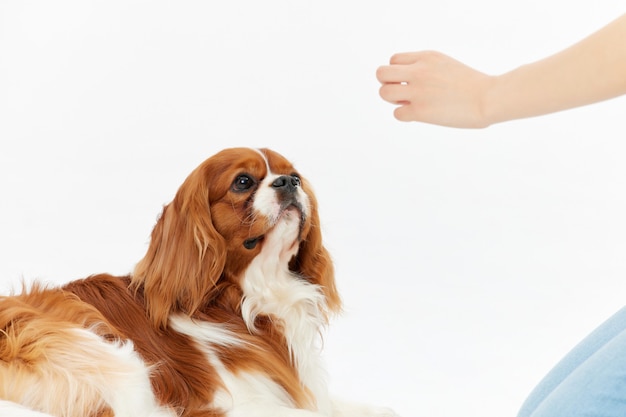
[
  {"x": 291, "y": 211},
  {"x": 291, "y": 215}
]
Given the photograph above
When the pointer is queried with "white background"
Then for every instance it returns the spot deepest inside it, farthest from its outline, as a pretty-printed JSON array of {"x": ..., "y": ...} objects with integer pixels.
[{"x": 469, "y": 261}]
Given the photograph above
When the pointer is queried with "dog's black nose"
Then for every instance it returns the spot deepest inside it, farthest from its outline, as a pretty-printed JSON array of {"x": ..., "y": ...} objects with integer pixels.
[{"x": 286, "y": 183}]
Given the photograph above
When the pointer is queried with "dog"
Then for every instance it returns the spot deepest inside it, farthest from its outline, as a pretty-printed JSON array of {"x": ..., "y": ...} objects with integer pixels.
[{"x": 222, "y": 316}]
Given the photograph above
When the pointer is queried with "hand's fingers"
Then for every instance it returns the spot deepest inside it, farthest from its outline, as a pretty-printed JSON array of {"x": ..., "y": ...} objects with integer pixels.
[
  {"x": 394, "y": 93},
  {"x": 405, "y": 58},
  {"x": 391, "y": 74},
  {"x": 404, "y": 113}
]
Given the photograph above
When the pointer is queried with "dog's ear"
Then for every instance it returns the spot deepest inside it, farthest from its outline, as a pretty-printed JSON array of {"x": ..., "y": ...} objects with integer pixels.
[
  {"x": 313, "y": 261},
  {"x": 186, "y": 255}
]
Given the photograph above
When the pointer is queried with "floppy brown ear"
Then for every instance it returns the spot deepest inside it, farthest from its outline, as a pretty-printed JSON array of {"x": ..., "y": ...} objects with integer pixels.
[
  {"x": 186, "y": 255},
  {"x": 314, "y": 263}
]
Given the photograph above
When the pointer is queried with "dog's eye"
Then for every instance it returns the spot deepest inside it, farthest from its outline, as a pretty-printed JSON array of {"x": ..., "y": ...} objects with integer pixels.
[{"x": 242, "y": 183}]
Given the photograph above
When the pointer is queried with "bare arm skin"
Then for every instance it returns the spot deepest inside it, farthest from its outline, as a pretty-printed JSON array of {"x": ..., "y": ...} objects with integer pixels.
[{"x": 433, "y": 88}]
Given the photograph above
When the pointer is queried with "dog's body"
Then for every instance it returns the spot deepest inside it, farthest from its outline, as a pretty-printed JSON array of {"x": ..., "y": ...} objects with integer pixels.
[{"x": 222, "y": 316}]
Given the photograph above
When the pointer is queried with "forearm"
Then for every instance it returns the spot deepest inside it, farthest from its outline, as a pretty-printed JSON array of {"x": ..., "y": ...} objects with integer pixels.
[{"x": 590, "y": 71}]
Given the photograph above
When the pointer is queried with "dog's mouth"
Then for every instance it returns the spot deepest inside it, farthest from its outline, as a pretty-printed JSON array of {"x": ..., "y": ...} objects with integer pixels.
[
  {"x": 252, "y": 242},
  {"x": 289, "y": 210}
]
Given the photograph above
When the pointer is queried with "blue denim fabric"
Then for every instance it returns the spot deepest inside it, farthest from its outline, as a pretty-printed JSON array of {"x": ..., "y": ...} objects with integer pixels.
[{"x": 590, "y": 381}]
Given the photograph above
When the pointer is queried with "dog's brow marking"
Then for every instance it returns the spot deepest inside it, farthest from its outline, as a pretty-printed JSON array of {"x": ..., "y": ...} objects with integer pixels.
[{"x": 267, "y": 164}]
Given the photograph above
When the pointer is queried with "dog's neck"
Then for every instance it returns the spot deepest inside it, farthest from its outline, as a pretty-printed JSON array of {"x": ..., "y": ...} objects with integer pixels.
[{"x": 294, "y": 305}]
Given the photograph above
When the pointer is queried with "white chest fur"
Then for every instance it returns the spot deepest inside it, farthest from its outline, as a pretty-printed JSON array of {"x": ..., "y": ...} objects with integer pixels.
[{"x": 294, "y": 304}]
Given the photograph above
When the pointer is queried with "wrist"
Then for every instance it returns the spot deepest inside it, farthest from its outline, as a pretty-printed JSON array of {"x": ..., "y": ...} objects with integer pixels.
[{"x": 491, "y": 103}]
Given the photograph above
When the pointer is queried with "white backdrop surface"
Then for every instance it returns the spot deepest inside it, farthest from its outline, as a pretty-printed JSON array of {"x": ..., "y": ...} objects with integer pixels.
[{"x": 469, "y": 261}]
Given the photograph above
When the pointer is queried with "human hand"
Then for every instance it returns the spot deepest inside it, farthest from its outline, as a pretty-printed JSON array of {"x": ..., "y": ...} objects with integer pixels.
[{"x": 433, "y": 88}]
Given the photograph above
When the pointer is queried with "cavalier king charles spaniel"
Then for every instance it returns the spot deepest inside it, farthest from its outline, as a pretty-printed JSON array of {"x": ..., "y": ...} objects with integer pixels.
[{"x": 221, "y": 317}]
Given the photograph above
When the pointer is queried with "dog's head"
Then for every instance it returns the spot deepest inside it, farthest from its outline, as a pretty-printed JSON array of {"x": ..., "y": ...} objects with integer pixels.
[{"x": 237, "y": 205}]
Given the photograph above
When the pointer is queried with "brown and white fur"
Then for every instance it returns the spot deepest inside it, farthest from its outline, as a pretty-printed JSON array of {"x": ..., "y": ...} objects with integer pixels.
[{"x": 222, "y": 316}]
